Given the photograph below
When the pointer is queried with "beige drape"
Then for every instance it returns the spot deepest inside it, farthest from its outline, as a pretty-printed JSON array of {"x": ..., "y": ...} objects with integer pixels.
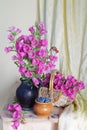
[{"x": 66, "y": 22}]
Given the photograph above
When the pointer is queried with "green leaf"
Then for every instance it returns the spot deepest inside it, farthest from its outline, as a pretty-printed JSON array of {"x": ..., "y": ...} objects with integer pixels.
[
  {"x": 43, "y": 76},
  {"x": 16, "y": 63}
]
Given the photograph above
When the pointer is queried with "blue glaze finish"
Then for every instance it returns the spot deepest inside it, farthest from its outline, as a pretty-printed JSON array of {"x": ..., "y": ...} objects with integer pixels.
[{"x": 26, "y": 94}]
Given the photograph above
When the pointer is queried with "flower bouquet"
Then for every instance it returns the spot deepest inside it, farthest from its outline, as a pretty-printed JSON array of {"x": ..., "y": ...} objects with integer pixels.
[
  {"x": 62, "y": 90},
  {"x": 31, "y": 54},
  {"x": 33, "y": 59}
]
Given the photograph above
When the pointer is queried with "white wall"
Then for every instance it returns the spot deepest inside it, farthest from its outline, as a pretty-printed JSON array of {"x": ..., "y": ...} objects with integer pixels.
[{"x": 22, "y": 14}]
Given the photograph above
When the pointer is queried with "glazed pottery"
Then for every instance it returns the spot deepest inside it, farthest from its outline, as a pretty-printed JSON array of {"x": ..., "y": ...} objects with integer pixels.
[
  {"x": 26, "y": 94},
  {"x": 43, "y": 109}
]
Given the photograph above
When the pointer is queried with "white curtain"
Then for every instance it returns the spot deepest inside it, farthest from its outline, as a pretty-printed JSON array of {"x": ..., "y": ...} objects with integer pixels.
[{"x": 66, "y": 22}]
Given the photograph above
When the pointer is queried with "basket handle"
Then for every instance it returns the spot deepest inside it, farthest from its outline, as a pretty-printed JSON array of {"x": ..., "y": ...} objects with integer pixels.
[
  {"x": 51, "y": 87},
  {"x": 52, "y": 79}
]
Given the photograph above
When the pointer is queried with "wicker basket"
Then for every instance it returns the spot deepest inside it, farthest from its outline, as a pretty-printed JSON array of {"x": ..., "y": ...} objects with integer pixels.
[{"x": 57, "y": 97}]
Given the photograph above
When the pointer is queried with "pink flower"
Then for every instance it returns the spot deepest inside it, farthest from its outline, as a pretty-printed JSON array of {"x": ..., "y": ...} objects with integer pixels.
[
  {"x": 31, "y": 38},
  {"x": 17, "y": 107},
  {"x": 16, "y": 115},
  {"x": 39, "y": 71},
  {"x": 14, "y": 57},
  {"x": 42, "y": 53},
  {"x": 26, "y": 48},
  {"x": 31, "y": 29},
  {"x": 48, "y": 75},
  {"x": 41, "y": 68},
  {"x": 41, "y": 25},
  {"x": 22, "y": 69},
  {"x": 20, "y": 62},
  {"x": 43, "y": 31},
  {"x": 42, "y": 28},
  {"x": 44, "y": 42},
  {"x": 18, "y": 31},
  {"x": 18, "y": 46},
  {"x": 21, "y": 55},
  {"x": 60, "y": 76},
  {"x": 14, "y": 107},
  {"x": 81, "y": 85},
  {"x": 11, "y": 29},
  {"x": 72, "y": 96},
  {"x": 70, "y": 77},
  {"x": 56, "y": 87},
  {"x": 63, "y": 87},
  {"x": 51, "y": 65},
  {"x": 41, "y": 65},
  {"x": 53, "y": 58},
  {"x": 10, "y": 107},
  {"x": 31, "y": 54},
  {"x": 8, "y": 49},
  {"x": 47, "y": 67},
  {"x": 15, "y": 125},
  {"x": 11, "y": 37},
  {"x": 28, "y": 74},
  {"x": 47, "y": 79},
  {"x": 23, "y": 39},
  {"x": 35, "y": 61},
  {"x": 35, "y": 81},
  {"x": 68, "y": 84},
  {"x": 34, "y": 43}
]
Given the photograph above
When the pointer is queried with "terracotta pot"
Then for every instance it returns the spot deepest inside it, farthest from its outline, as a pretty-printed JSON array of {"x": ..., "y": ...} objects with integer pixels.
[{"x": 43, "y": 109}]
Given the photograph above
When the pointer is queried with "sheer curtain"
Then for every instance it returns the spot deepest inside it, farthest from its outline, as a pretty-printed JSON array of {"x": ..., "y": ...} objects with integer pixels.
[{"x": 66, "y": 22}]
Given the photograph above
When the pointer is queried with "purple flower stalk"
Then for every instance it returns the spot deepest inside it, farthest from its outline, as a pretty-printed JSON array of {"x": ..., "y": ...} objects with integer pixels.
[
  {"x": 16, "y": 111},
  {"x": 31, "y": 52}
]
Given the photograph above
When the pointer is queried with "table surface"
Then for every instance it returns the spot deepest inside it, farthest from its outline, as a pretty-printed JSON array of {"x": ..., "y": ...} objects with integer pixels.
[{"x": 32, "y": 121}]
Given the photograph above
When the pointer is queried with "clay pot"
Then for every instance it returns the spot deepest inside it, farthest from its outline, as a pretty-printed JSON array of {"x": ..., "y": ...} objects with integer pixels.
[{"x": 43, "y": 109}]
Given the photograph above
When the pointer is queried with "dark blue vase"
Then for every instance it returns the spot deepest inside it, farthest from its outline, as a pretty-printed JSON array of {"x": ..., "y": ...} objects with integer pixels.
[{"x": 26, "y": 94}]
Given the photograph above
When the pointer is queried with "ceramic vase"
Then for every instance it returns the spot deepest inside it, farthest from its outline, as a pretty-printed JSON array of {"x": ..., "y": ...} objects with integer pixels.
[{"x": 26, "y": 94}]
